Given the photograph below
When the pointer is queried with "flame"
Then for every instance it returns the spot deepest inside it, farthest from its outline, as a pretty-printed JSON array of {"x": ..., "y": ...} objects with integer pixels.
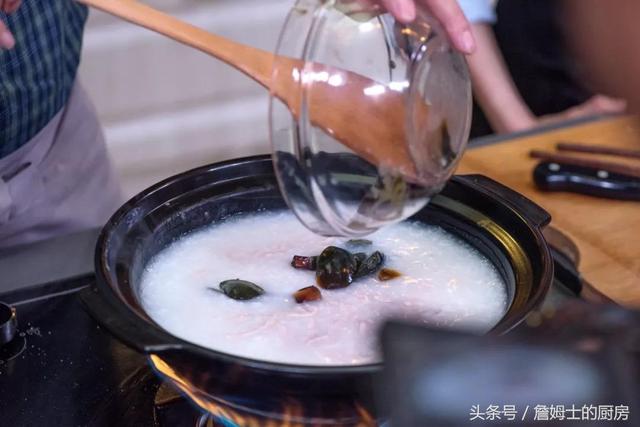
[
  {"x": 367, "y": 419},
  {"x": 291, "y": 415}
]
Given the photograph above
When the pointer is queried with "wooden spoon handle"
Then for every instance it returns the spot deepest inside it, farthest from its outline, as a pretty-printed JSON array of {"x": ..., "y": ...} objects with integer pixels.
[
  {"x": 374, "y": 130},
  {"x": 253, "y": 62}
]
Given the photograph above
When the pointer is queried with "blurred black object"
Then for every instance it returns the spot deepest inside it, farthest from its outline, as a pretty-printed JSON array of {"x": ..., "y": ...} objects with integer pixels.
[{"x": 578, "y": 365}]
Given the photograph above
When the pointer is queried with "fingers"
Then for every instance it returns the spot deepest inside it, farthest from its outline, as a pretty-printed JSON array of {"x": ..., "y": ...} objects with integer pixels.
[
  {"x": 447, "y": 12},
  {"x": 597, "y": 104},
  {"x": 6, "y": 38},
  {"x": 403, "y": 10},
  {"x": 605, "y": 104},
  {"x": 455, "y": 24}
]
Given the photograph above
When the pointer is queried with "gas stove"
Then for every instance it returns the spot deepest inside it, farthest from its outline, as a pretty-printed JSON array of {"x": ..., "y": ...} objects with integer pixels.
[{"x": 63, "y": 369}]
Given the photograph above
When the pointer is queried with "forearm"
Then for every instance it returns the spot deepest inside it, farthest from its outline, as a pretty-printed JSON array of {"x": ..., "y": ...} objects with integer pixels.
[{"x": 493, "y": 86}]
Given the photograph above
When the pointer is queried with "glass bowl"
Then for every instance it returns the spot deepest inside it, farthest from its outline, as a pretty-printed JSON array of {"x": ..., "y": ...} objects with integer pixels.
[{"x": 333, "y": 190}]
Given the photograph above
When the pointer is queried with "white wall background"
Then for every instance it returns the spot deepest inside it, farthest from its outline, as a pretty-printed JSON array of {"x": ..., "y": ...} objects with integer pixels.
[{"x": 167, "y": 108}]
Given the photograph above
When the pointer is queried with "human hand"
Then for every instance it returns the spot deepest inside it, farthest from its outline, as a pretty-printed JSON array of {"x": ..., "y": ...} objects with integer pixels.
[
  {"x": 598, "y": 104},
  {"x": 447, "y": 12},
  {"x": 6, "y": 38}
]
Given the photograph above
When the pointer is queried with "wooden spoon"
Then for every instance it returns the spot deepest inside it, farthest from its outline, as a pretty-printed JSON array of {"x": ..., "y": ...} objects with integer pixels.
[{"x": 362, "y": 114}]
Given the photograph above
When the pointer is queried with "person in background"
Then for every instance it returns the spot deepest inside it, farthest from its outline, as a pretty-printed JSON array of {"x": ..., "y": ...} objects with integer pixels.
[
  {"x": 521, "y": 73},
  {"x": 605, "y": 37},
  {"x": 55, "y": 173}
]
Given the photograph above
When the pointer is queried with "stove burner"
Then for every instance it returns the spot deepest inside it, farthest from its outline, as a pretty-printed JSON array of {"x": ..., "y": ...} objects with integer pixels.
[
  {"x": 8, "y": 324},
  {"x": 11, "y": 345},
  {"x": 144, "y": 400},
  {"x": 12, "y": 349}
]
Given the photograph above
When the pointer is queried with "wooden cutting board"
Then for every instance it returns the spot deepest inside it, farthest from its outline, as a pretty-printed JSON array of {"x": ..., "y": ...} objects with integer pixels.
[{"x": 607, "y": 232}]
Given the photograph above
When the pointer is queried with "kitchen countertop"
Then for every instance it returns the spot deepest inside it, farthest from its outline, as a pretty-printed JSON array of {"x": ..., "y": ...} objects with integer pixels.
[
  {"x": 605, "y": 231},
  {"x": 72, "y": 255}
]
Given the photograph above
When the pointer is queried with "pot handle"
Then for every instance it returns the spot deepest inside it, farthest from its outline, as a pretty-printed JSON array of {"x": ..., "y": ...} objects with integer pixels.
[
  {"x": 120, "y": 322},
  {"x": 530, "y": 210}
]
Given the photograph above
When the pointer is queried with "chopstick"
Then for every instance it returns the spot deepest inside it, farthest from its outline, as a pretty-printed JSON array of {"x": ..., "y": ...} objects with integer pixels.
[
  {"x": 597, "y": 149},
  {"x": 581, "y": 161}
]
